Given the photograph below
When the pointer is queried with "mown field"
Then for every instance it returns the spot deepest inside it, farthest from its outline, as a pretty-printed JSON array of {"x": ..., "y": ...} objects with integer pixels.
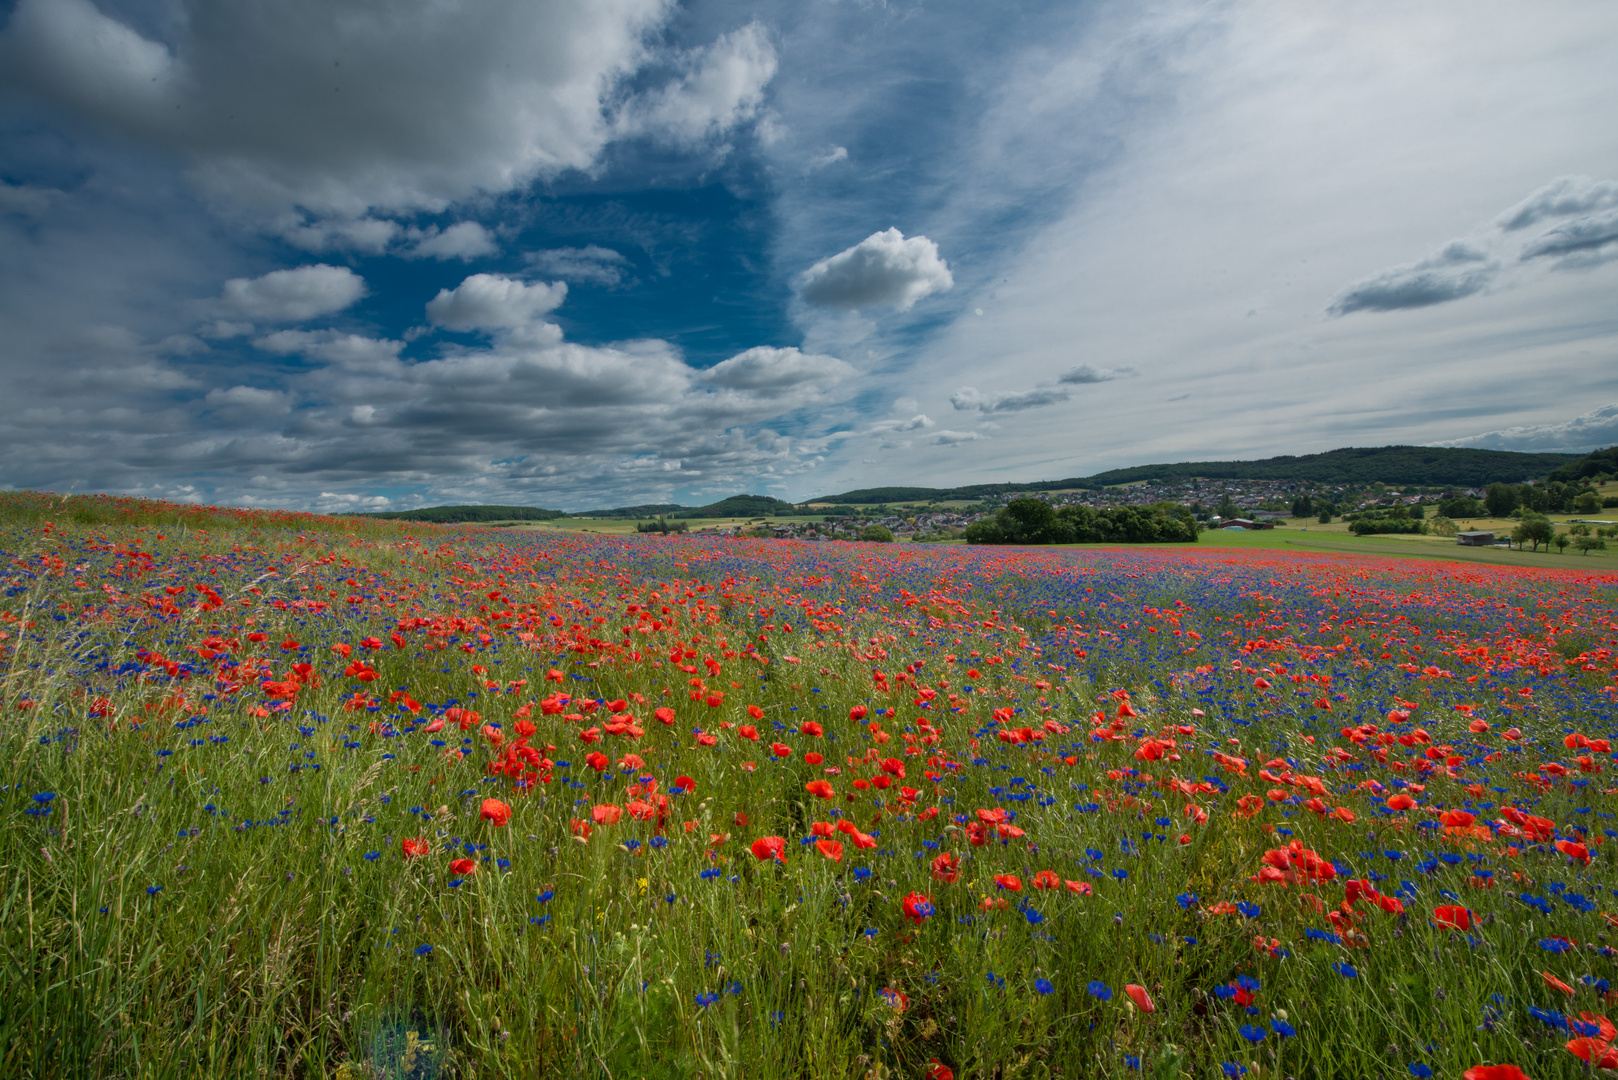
[{"x": 301, "y": 796}]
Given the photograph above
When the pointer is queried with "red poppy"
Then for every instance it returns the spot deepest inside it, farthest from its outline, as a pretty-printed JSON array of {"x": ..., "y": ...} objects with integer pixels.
[
  {"x": 812, "y": 758},
  {"x": 1045, "y": 879},
  {"x": 1400, "y": 801},
  {"x": 1594, "y": 1052},
  {"x": 812, "y": 728},
  {"x": 597, "y": 760},
  {"x": 1456, "y": 819},
  {"x": 748, "y": 731},
  {"x": 780, "y": 749},
  {"x": 755, "y": 712},
  {"x": 1494, "y": 1072},
  {"x": 1452, "y": 917},
  {"x": 1009, "y": 882},
  {"x": 832, "y": 849},
  {"x": 685, "y": 783},
  {"x": 463, "y": 867},
  {"x": 917, "y": 908},
  {"x": 946, "y": 868},
  {"x": 496, "y": 812},
  {"x": 1556, "y": 984},
  {"x": 1138, "y": 994},
  {"x": 1080, "y": 887},
  {"x": 415, "y": 846},
  {"x": 1609, "y": 1033},
  {"x": 1575, "y": 851},
  {"x": 606, "y": 814},
  {"x": 820, "y": 789},
  {"x": 664, "y": 716},
  {"x": 766, "y": 848},
  {"x": 937, "y": 1070}
]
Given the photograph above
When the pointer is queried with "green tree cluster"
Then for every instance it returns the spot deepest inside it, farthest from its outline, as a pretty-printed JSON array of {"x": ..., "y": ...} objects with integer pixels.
[{"x": 1035, "y": 521}]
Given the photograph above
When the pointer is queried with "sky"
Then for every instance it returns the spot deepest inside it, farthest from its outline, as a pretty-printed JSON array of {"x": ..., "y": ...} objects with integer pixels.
[{"x": 380, "y": 254}]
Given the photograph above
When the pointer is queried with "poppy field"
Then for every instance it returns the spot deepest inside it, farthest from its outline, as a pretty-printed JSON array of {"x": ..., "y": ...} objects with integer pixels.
[{"x": 299, "y": 796}]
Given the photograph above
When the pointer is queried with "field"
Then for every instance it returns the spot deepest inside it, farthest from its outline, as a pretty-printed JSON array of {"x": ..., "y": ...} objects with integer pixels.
[{"x": 303, "y": 797}]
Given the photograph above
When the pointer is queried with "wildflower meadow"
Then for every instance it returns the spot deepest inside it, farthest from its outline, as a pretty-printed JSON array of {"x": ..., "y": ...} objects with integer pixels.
[{"x": 286, "y": 795}]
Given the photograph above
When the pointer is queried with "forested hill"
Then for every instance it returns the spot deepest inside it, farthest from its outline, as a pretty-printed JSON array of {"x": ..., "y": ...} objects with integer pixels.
[{"x": 1416, "y": 466}]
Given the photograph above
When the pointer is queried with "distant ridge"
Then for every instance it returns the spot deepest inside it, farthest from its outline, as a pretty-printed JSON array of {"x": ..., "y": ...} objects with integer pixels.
[
  {"x": 453, "y": 515},
  {"x": 1417, "y": 466}
]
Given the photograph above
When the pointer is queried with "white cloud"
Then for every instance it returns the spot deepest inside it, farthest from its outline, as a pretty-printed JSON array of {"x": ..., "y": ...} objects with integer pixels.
[
  {"x": 884, "y": 268},
  {"x": 346, "y": 350},
  {"x": 1566, "y": 196},
  {"x": 592, "y": 265},
  {"x": 26, "y": 200},
  {"x": 368, "y": 235},
  {"x": 293, "y": 295},
  {"x": 919, "y": 422},
  {"x": 723, "y": 85},
  {"x": 1083, "y": 374},
  {"x": 250, "y": 398},
  {"x": 830, "y": 157},
  {"x": 968, "y": 398},
  {"x": 1457, "y": 270},
  {"x": 953, "y": 438},
  {"x": 493, "y": 302},
  {"x": 1594, "y": 430},
  {"x": 464, "y": 240},
  {"x": 772, "y": 372},
  {"x": 337, "y": 106}
]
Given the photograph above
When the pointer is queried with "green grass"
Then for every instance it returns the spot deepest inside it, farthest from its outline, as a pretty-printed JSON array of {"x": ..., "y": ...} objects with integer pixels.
[{"x": 151, "y": 932}]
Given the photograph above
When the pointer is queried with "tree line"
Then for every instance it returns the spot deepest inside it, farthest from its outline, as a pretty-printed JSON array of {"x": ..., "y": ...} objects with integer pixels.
[{"x": 1035, "y": 521}]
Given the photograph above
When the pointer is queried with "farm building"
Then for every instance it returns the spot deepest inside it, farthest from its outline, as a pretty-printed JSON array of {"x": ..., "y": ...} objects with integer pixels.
[{"x": 1475, "y": 538}]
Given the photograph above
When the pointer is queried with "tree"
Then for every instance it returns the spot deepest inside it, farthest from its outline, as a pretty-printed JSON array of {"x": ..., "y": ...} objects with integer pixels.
[
  {"x": 1227, "y": 507},
  {"x": 1561, "y": 541},
  {"x": 877, "y": 533},
  {"x": 1587, "y": 544},
  {"x": 1303, "y": 506},
  {"x": 1588, "y": 502},
  {"x": 1442, "y": 526},
  {"x": 1500, "y": 500},
  {"x": 1535, "y": 530},
  {"x": 1461, "y": 506},
  {"x": 1326, "y": 511},
  {"x": 1029, "y": 521}
]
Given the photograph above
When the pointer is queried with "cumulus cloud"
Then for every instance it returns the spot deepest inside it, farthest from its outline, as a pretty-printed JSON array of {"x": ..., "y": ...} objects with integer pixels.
[
  {"x": 590, "y": 265},
  {"x": 969, "y": 398},
  {"x": 1593, "y": 430},
  {"x": 493, "y": 302},
  {"x": 884, "y": 268},
  {"x": 919, "y": 422},
  {"x": 464, "y": 240},
  {"x": 771, "y": 372},
  {"x": 367, "y": 235},
  {"x": 337, "y": 106},
  {"x": 721, "y": 86},
  {"x": 251, "y": 398},
  {"x": 331, "y": 347},
  {"x": 293, "y": 295},
  {"x": 1457, "y": 270}
]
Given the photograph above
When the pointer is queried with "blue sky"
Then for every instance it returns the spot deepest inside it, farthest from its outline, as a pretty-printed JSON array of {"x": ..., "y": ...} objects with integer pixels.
[{"x": 332, "y": 254}]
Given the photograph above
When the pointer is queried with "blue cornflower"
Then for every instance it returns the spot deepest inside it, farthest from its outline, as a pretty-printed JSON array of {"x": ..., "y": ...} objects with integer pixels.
[
  {"x": 659, "y": 841},
  {"x": 1253, "y": 1033},
  {"x": 372, "y": 856},
  {"x": 1248, "y": 911},
  {"x": 153, "y": 890},
  {"x": 1043, "y": 986},
  {"x": 1420, "y": 1070},
  {"x": 1282, "y": 1028},
  {"x": 1346, "y": 970},
  {"x": 1033, "y": 917},
  {"x": 545, "y": 897},
  {"x": 1233, "y": 1068},
  {"x": 423, "y": 950},
  {"x": 1132, "y": 1062},
  {"x": 1186, "y": 900},
  {"x": 44, "y": 796},
  {"x": 706, "y": 1000},
  {"x": 1247, "y": 982},
  {"x": 1099, "y": 989}
]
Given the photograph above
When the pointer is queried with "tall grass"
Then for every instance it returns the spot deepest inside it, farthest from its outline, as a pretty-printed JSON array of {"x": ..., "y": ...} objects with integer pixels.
[{"x": 217, "y": 884}]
